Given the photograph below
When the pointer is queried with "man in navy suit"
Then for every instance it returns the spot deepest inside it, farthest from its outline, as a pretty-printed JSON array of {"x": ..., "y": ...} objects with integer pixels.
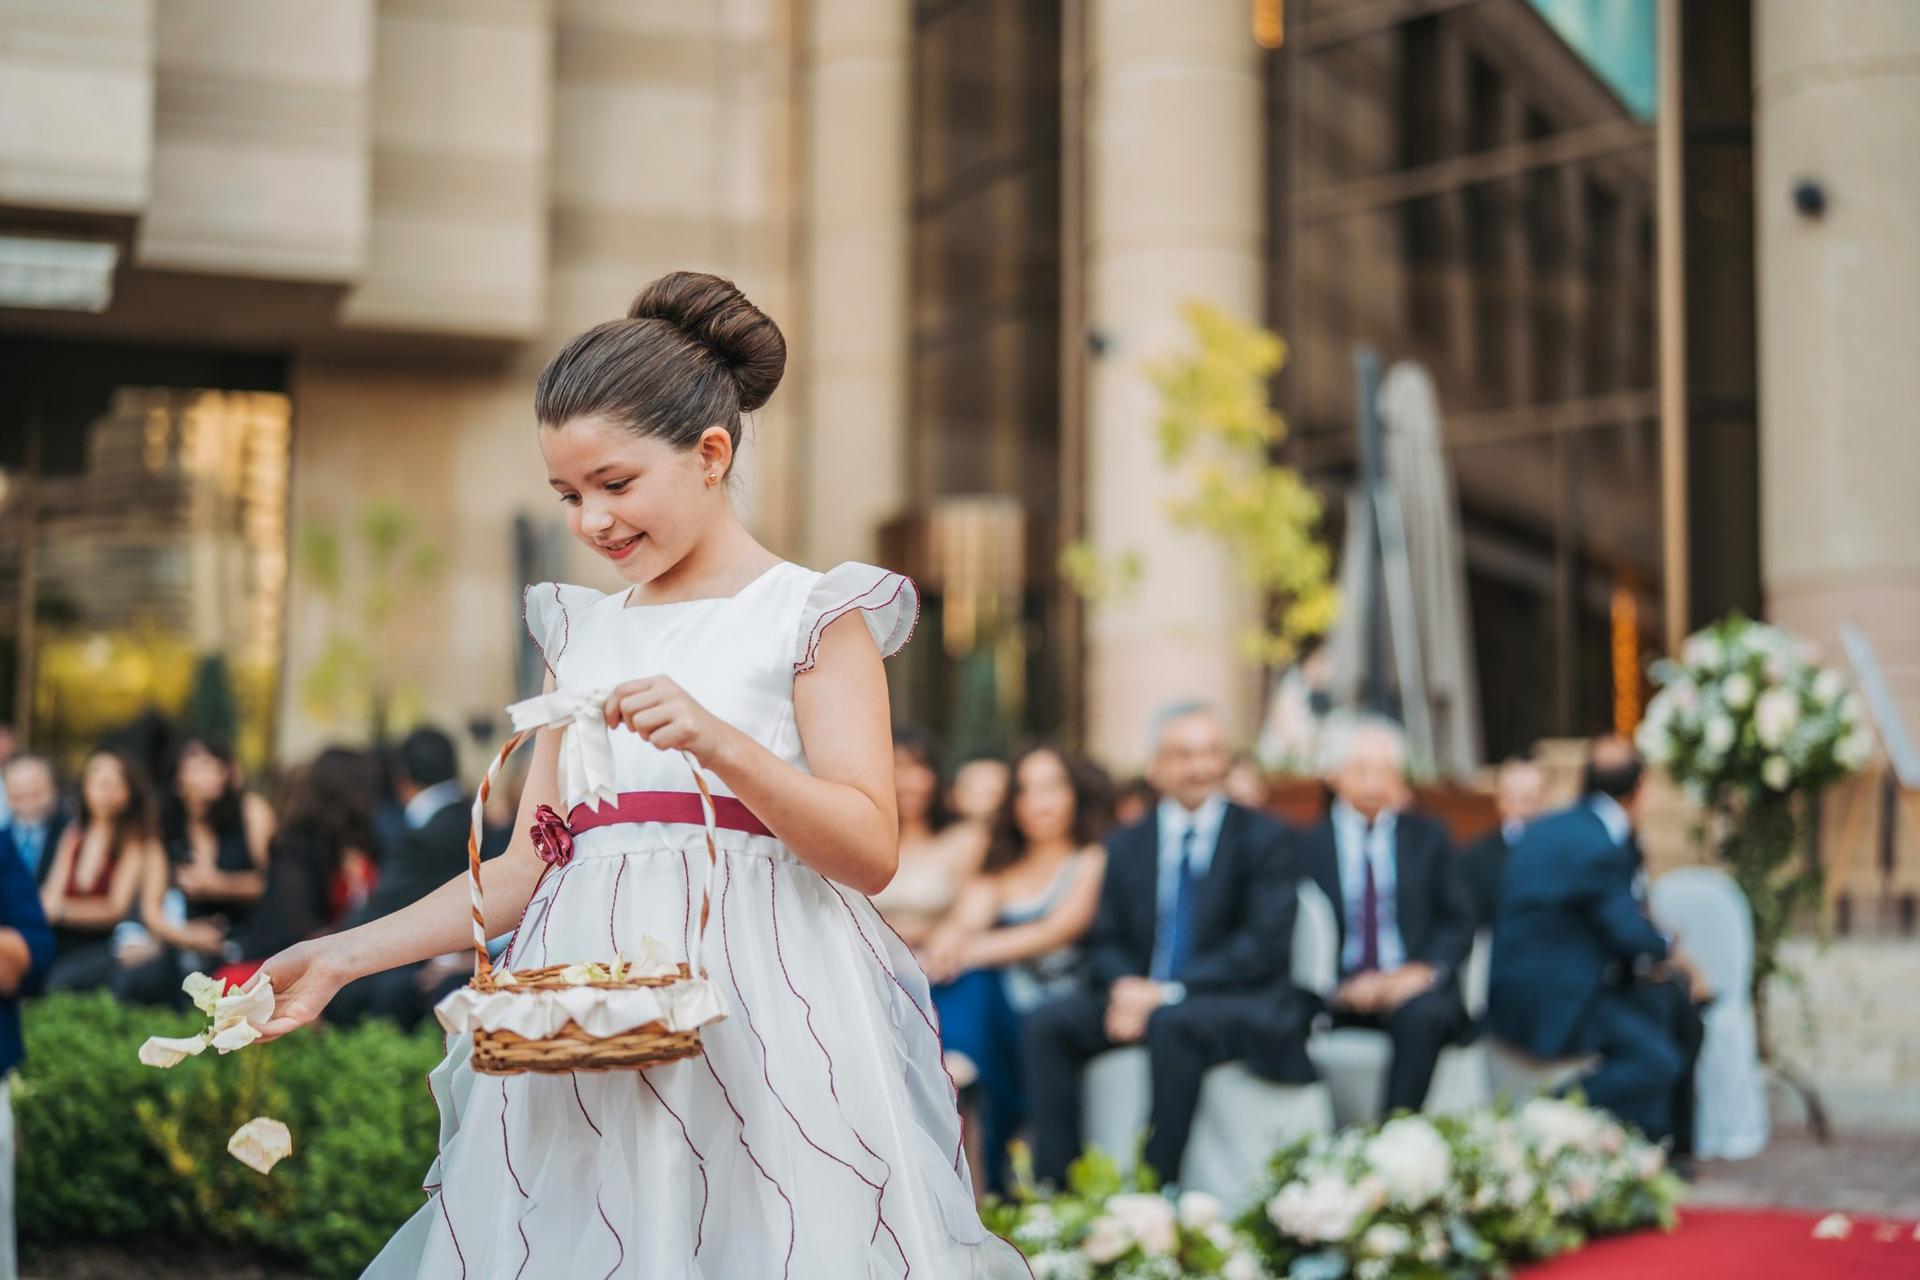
[
  {"x": 34, "y": 823},
  {"x": 1572, "y": 948},
  {"x": 1406, "y": 923},
  {"x": 1188, "y": 953}
]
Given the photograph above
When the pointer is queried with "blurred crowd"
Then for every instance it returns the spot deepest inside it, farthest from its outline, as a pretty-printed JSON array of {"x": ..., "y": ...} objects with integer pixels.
[{"x": 1057, "y": 912}]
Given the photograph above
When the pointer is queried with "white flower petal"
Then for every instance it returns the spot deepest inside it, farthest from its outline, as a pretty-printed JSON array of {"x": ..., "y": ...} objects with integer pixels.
[
  {"x": 251, "y": 1003},
  {"x": 260, "y": 1144},
  {"x": 235, "y": 1034},
  {"x": 203, "y": 991},
  {"x": 1835, "y": 1226},
  {"x": 168, "y": 1051}
]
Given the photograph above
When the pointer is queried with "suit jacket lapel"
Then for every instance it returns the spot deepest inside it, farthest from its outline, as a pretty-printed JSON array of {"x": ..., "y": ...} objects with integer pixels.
[
  {"x": 1406, "y": 906},
  {"x": 1323, "y": 864},
  {"x": 1212, "y": 897},
  {"x": 1143, "y": 869}
]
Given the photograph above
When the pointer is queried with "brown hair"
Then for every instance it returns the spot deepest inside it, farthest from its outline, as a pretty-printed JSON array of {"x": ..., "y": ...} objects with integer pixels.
[
  {"x": 136, "y": 823},
  {"x": 692, "y": 353},
  {"x": 1007, "y": 846}
]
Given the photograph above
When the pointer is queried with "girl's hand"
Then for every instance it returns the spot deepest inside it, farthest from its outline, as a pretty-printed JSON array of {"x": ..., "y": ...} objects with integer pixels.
[
  {"x": 666, "y": 716},
  {"x": 305, "y": 977}
]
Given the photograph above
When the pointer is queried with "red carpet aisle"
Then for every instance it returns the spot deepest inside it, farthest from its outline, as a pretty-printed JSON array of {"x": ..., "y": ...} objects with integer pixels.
[{"x": 1762, "y": 1244}]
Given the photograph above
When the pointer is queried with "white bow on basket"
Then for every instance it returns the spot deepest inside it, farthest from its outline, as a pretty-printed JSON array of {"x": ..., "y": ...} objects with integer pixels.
[{"x": 581, "y": 1017}]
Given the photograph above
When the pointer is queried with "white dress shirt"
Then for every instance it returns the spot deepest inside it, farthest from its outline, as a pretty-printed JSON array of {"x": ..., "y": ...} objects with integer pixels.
[
  {"x": 429, "y": 801},
  {"x": 1357, "y": 847},
  {"x": 1175, "y": 821},
  {"x": 1614, "y": 818}
]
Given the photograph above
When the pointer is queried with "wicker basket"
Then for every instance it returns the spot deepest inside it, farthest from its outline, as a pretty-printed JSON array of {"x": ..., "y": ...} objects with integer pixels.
[{"x": 572, "y": 1048}]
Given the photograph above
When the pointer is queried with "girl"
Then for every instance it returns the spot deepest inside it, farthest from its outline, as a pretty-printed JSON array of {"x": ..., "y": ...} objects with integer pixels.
[
  {"x": 90, "y": 887},
  {"x": 1009, "y": 942},
  {"x": 816, "y": 1135}
]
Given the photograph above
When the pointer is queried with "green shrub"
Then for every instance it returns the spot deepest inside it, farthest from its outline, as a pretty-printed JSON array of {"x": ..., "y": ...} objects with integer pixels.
[{"x": 111, "y": 1149}]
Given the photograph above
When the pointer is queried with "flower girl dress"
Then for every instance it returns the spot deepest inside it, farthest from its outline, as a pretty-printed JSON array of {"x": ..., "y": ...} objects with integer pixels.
[{"x": 816, "y": 1137}]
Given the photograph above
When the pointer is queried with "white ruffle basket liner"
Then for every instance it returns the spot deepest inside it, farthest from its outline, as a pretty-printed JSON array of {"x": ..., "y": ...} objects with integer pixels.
[{"x": 686, "y": 1005}]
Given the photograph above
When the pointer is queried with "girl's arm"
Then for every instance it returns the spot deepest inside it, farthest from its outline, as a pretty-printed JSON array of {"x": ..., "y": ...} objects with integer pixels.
[
  {"x": 1069, "y": 920},
  {"x": 104, "y": 913},
  {"x": 840, "y": 818},
  {"x": 306, "y": 975}
]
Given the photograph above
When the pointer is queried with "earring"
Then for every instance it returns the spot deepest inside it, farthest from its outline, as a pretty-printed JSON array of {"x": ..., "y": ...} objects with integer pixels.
[{"x": 712, "y": 478}]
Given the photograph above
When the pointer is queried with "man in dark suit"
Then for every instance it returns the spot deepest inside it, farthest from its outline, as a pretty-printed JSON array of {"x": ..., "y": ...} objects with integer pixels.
[
  {"x": 35, "y": 822},
  {"x": 1188, "y": 952},
  {"x": 430, "y": 850},
  {"x": 1519, "y": 796},
  {"x": 1406, "y": 925},
  {"x": 1572, "y": 949}
]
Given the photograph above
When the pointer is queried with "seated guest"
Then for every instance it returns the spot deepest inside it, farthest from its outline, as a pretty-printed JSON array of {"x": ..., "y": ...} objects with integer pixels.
[
  {"x": 26, "y": 952},
  {"x": 1188, "y": 953},
  {"x": 979, "y": 789},
  {"x": 431, "y": 849},
  {"x": 1572, "y": 950},
  {"x": 214, "y": 835},
  {"x": 35, "y": 820},
  {"x": 322, "y": 867},
  {"x": 90, "y": 888},
  {"x": 1519, "y": 795},
  {"x": 1133, "y": 801},
  {"x": 938, "y": 854},
  {"x": 1008, "y": 946},
  {"x": 1405, "y": 923}
]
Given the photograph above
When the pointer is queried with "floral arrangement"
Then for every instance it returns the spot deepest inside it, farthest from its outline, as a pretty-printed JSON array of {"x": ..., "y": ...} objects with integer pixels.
[
  {"x": 1418, "y": 1198},
  {"x": 1747, "y": 720},
  {"x": 1748, "y": 706}
]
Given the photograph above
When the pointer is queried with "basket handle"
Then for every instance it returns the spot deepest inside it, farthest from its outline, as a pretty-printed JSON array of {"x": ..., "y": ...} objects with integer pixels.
[{"x": 535, "y": 714}]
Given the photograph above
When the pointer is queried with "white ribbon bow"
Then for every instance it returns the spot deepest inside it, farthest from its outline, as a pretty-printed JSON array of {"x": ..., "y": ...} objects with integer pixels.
[{"x": 586, "y": 753}]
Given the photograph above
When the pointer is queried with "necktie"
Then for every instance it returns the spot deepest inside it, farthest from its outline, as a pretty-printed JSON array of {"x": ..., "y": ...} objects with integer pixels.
[
  {"x": 1369, "y": 909},
  {"x": 28, "y": 840},
  {"x": 1179, "y": 941}
]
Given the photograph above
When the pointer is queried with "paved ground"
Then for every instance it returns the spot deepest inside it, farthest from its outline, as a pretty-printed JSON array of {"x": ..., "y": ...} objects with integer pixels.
[{"x": 1856, "y": 1173}]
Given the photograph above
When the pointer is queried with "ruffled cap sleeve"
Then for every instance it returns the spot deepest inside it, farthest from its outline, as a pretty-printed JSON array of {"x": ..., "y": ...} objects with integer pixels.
[
  {"x": 888, "y": 602},
  {"x": 552, "y": 611}
]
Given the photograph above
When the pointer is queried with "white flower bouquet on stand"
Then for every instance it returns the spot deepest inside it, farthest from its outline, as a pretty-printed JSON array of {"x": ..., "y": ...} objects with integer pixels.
[{"x": 1751, "y": 724}]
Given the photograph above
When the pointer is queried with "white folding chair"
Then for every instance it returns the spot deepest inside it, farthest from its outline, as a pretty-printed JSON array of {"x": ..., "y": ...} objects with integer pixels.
[
  {"x": 1706, "y": 911},
  {"x": 1241, "y": 1119}
]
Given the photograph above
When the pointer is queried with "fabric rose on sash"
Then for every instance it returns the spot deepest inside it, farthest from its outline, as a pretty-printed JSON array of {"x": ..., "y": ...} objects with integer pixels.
[{"x": 551, "y": 839}]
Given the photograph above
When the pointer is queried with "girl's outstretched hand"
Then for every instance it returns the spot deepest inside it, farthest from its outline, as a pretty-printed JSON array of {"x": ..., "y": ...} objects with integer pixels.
[{"x": 305, "y": 977}]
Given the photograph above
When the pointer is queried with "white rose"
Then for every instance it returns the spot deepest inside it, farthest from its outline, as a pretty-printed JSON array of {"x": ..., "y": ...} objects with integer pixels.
[
  {"x": 1719, "y": 735},
  {"x": 1776, "y": 773},
  {"x": 1412, "y": 1159},
  {"x": 1384, "y": 1240},
  {"x": 1737, "y": 691},
  {"x": 1326, "y": 1208},
  {"x": 1853, "y": 751},
  {"x": 1240, "y": 1266},
  {"x": 1149, "y": 1219},
  {"x": 1774, "y": 717},
  {"x": 1054, "y": 1265},
  {"x": 1198, "y": 1210},
  {"x": 1555, "y": 1125},
  {"x": 1686, "y": 698},
  {"x": 1649, "y": 1161},
  {"x": 1703, "y": 652},
  {"x": 1106, "y": 1239},
  {"x": 1583, "y": 1188},
  {"x": 1828, "y": 686},
  {"x": 1520, "y": 1190}
]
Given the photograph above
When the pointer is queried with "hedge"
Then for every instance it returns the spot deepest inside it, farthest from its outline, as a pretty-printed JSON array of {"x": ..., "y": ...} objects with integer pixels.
[{"x": 113, "y": 1150}]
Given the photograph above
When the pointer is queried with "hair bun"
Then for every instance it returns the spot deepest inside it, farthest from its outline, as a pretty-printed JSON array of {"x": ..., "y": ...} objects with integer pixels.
[{"x": 714, "y": 313}]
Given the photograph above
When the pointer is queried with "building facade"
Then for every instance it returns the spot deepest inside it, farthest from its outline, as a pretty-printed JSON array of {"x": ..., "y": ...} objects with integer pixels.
[{"x": 977, "y": 220}]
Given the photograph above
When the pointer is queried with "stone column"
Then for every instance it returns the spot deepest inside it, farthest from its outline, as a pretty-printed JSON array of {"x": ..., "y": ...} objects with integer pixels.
[
  {"x": 851, "y": 351},
  {"x": 1174, "y": 212},
  {"x": 1837, "y": 103}
]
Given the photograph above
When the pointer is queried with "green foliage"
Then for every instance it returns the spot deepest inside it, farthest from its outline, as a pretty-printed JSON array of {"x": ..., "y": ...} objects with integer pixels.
[
  {"x": 369, "y": 579},
  {"x": 111, "y": 1149},
  {"x": 1217, "y": 429},
  {"x": 211, "y": 708}
]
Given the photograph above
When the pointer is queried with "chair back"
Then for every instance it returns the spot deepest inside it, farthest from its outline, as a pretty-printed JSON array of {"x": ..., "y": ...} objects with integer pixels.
[
  {"x": 1707, "y": 912},
  {"x": 1316, "y": 942},
  {"x": 1477, "y": 974}
]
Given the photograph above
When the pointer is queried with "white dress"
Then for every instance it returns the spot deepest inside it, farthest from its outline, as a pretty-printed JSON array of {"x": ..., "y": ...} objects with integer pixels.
[{"x": 816, "y": 1138}]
